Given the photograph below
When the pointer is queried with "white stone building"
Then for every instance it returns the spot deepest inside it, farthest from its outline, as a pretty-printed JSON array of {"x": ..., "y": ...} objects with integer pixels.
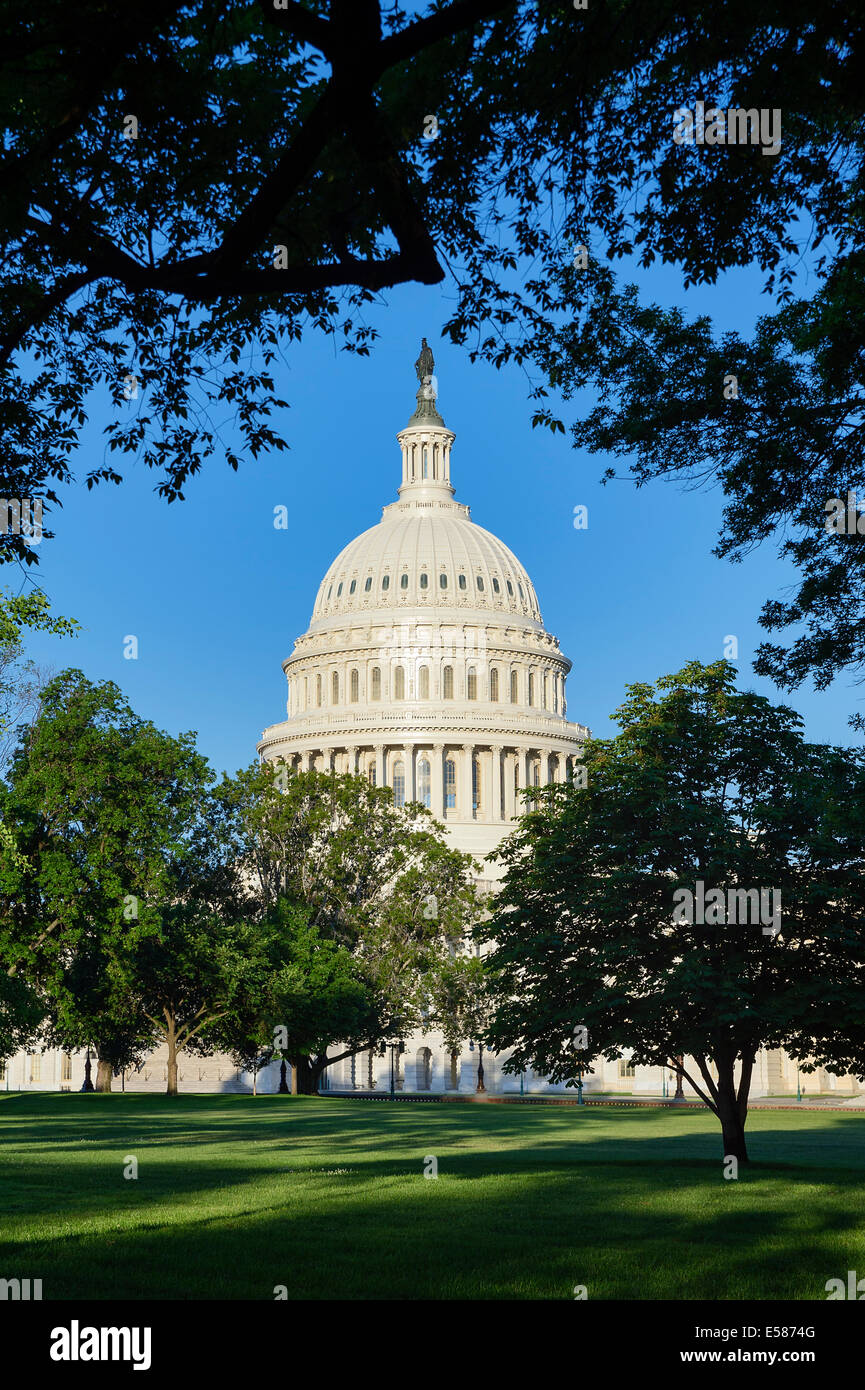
[{"x": 426, "y": 667}]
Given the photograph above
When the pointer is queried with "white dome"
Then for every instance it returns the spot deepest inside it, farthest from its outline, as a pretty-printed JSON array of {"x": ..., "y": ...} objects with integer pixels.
[{"x": 429, "y": 556}]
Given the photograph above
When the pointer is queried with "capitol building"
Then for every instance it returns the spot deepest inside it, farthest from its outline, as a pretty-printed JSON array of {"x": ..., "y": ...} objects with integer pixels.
[{"x": 427, "y": 668}]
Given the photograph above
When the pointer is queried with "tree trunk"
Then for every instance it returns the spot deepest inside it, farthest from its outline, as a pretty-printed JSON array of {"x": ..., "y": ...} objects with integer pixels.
[
  {"x": 304, "y": 1074},
  {"x": 103, "y": 1075},
  {"x": 171, "y": 1039},
  {"x": 733, "y": 1109}
]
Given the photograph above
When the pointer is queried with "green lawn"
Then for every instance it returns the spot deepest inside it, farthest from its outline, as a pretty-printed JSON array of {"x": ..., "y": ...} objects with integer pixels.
[{"x": 236, "y": 1195}]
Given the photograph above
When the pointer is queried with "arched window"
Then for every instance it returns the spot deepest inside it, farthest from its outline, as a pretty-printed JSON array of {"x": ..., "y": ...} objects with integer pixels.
[
  {"x": 423, "y": 680},
  {"x": 514, "y": 688},
  {"x": 424, "y": 579},
  {"x": 376, "y": 683},
  {"x": 546, "y": 691},
  {"x": 448, "y": 683},
  {"x": 480, "y": 583},
  {"x": 385, "y": 583},
  {"x": 450, "y": 784},
  {"x": 334, "y": 688},
  {"x": 472, "y": 684},
  {"x": 352, "y": 586},
  {"x": 423, "y": 783},
  {"x": 339, "y": 589},
  {"x": 367, "y": 584},
  {"x": 355, "y": 687},
  {"x": 403, "y": 581},
  {"x": 476, "y": 784},
  {"x": 318, "y": 691},
  {"x": 494, "y": 685},
  {"x": 531, "y": 687},
  {"x": 522, "y": 595},
  {"x": 462, "y": 581},
  {"x": 497, "y": 588},
  {"x": 399, "y": 683},
  {"x": 329, "y": 592},
  {"x": 399, "y": 784},
  {"x": 443, "y": 581},
  {"x": 510, "y": 588},
  {"x": 371, "y": 773},
  {"x": 426, "y": 463},
  {"x": 555, "y": 692}
]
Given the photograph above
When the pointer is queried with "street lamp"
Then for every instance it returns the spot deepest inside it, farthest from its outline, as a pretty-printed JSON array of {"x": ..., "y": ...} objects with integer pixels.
[
  {"x": 798, "y": 1083},
  {"x": 88, "y": 1084},
  {"x": 480, "y": 1065},
  {"x": 398, "y": 1048}
]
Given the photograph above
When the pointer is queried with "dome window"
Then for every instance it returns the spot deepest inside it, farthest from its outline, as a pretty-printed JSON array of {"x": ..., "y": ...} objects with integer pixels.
[
  {"x": 334, "y": 688},
  {"x": 403, "y": 581},
  {"x": 385, "y": 583},
  {"x": 448, "y": 683},
  {"x": 339, "y": 589},
  {"x": 352, "y": 586},
  {"x": 531, "y": 687},
  {"x": 443, "y": 581},
  {"x": 424, "y": 788},
  {"x": 480, "y": 583},
  {"x": 515, "y": 695},
  {"x": 375, "y": 683},
  {"x": 510, "y": 588},
  {"x": 423, "y": 678},
  {"x": 354, "y": 687},
  {"x": 399, "y": 683},
  {"x": 462, "y": 581},
  {"x": 329, "y": 592},
  {"x": 522, "y": 595},
  {"x": 472, "y": 684},
  {"x": 450, "y": 784},
  {"x": 367, "y": 584},
  {"x": 318, "y": 691},
  {"x": 494, "y": 685},
  {"x": 399, "y": 784},
  {"x": 424, "y": 580},
  {"x": 497, "y": 588}
]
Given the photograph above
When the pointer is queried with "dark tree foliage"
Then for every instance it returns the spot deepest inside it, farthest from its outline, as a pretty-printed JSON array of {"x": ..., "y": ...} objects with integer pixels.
[
  {"x": 279, "y": 180},
  {"x": 705, "y": 785}
]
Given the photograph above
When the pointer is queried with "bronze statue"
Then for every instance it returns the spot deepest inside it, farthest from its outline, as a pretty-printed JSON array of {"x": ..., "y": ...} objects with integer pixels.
[{"x": 425, "y": 365}]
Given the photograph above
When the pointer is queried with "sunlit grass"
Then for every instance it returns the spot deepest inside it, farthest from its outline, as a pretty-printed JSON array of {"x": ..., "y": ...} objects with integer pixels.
[{"x": 236, "y": 1196}]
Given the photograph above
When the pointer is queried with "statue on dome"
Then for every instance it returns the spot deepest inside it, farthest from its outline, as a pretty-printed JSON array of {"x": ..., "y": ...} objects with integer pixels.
[{"x": 425, "y": 365}]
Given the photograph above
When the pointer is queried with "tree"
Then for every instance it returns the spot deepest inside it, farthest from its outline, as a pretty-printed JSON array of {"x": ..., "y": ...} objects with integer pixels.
[
  {"x": 376, "y": 881},
  {"x": 308, "y": 990},
  {"x": 702, "y": 896},
  {"x": 103, "y": 813},
  {"x": 186, "y": 193},
  {"x": 462, "y": 1005}
]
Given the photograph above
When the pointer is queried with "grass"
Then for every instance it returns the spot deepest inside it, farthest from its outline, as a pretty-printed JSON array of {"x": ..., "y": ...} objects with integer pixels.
[{"x": 236, "y": 1195}]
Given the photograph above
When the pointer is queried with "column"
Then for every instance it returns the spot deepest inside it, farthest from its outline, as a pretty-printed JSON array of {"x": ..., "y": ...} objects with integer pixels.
[
  {"x": 494, "y": 785},
  {"x": 510, "y": 796},
  {"x": 559, "y": 774},
  {"x": 352, "y": 761},
  {"x": 437, "y": 780},
  {"x": 380, "y": 765},
  {"x": 305, "y": 761},
  {"x": 544, "y": 775},
  {"x": 408, "y": 762},
  {"x": 464, "y": 799}
]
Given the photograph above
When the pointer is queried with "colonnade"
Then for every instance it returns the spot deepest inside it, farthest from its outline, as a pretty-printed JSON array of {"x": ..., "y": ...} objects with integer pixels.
[{"x": 456, "y": 781}]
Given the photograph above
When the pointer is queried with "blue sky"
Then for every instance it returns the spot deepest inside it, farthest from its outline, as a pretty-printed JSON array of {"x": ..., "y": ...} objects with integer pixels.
[{"x": 216, "y": 595}]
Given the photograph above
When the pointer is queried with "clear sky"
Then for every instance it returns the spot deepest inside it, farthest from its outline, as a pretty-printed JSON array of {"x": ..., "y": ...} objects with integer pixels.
[{"x": 216, "y": 595}]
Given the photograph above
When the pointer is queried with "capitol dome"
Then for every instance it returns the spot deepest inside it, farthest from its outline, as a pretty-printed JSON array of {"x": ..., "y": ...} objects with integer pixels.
[{"x": 426, "y": 665}]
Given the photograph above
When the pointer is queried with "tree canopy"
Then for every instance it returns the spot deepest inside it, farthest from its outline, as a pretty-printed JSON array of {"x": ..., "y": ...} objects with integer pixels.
[
  {"x": 702, "y": 895},
  {"x": 184, "y": 195}
]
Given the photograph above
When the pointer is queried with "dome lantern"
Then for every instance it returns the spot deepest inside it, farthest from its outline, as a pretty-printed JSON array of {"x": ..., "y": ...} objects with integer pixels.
[{"x": 426, "y": 440}]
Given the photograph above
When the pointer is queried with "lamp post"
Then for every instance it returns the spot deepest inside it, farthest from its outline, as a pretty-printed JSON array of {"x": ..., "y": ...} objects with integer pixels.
[
  {"x": 88, "y": 1084},
  {"x": 798, "y": 1083},
  {"x": 283, "y": 1082}
]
